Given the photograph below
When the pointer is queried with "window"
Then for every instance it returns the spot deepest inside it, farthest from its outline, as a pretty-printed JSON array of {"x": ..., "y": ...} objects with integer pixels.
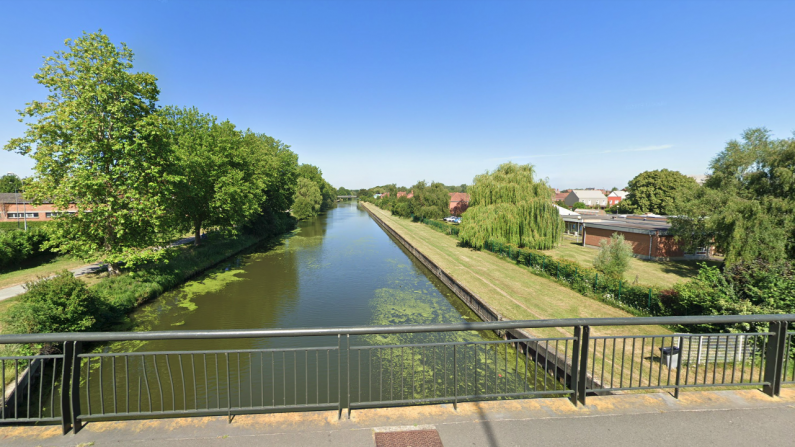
[{"x": 23, "y": 215}]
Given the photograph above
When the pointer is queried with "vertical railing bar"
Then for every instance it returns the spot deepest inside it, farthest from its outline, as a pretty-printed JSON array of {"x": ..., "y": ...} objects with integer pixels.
[
  {"x": 88, "y": 383},
  {"x": 195, "y": 389},
  {"x": 715, "y": 362},
  {"x": 113, "y": 371},
  {"x": 678, "y": 360},
  {"x": 391, "y": 372},
  {"x": 317, "y": 377},
  {"x": 3, "y": 384},
  {"x": 659, "y": 369},
  {"x": 679, "y": 366},
  {"x": 402, "y": 362},
  {"x": 651, "y": 360},
  {"x": 535, "y": 373},
  {"x": 632, "y": 362},
  {"x": 127, "y": 385},
  {"x": 433, "y": 348},
  {"x": 593, "y": 361},
  {"x": 328, "y": 375},
  {"x": 101, "y": 387},
  {"x": 642, "y": 353},
  {"x": 52, "y": 387},
  {"x": 30, "y": 384},
  {"x": 146, "y": 382},
  {"x": 182, "y": 377},
  {"x": 262, "y": 378},
  {"x": 41, "y": 383},
  {"x": 496, "y": 368},
  {"x": 546, "y": 366},
  {"x": 413, "y": 389},
  {"x": 273, "y": 379},
  {"x": 763, "y": 338},
  {"x": 228, "y": 384},
  {"x": 159, "y": 383},
  {"x": 455, "y": 377},
  {"x": 359, "y": 374},
  {"x": 555, "y": 375},
  {"x": 217, "y": 384},
  {"x": 734, "y": 356},
  {"x": 604, "y": 360},
  {"x": 613, "y": 364},
  {"x": 240, "y": 385},
  {"x": 725, "y": 360},
  {"x": 466, "y": 371},
  {"x": 284, "y": 378},
  {"x": 516, "y": 366},
  {"x": 698, "y": 359},
  {"x": 348, "y": 368},
  {"x": 171, "y": 383},
  {"x": 689, "y": 354},
  {"x": 251, "y": 382},
  {"x": 623, "y": 357}
]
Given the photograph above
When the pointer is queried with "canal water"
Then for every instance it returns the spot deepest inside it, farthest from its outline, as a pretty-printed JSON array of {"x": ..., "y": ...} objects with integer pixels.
[{"x": 338, "y": 269}]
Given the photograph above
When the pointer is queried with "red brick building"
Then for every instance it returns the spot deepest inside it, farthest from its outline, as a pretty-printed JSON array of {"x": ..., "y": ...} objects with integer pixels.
[
  {"x": 14, "y": 208},
  {"x": 459, "y": 202},
  {"x": 615, "y": 197},
  {"x": 650, "y": 237}
]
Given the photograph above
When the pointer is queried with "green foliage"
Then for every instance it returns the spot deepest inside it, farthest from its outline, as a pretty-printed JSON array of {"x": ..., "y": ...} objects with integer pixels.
[
  {"x": 508, "y": 206},
  {"x": 747, "y": 207},
  {"x": 327, "y": 192},
  {"x": 215, "y": 180},
  {"x": 10, "y": 183},
  {"x": 658, "y": 191},
  {"x": 579, "y": 206},
  {"x": 97, "y": 142},
  {"x": 403, "y": 207},
  {"x": 60, "y": 304},
  {"x": 17, "y": 246},
  {"x": 614, "y": 256},
  {"x": 307, "y": 199}
]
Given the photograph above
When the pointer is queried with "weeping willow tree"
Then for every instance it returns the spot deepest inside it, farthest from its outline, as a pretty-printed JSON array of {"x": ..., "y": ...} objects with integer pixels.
[{"x": 510, "y": 206}]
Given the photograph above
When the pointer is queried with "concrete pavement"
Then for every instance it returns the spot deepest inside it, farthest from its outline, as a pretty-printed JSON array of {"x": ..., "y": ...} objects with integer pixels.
[{"x": 698, "y": 418}]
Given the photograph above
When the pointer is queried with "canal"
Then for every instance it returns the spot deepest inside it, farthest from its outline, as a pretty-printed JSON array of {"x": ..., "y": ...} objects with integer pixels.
[{"x": 338, "y": 269}]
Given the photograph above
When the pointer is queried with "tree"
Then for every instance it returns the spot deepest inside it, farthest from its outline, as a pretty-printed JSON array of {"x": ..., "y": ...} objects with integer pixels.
[
  {"x": 216, "y": 182},
  {"x": 97, "y": 143},
  {"x": 658, "y": 191},
  {"x": 579, "y": 206},
  {"x": 614, "y": 255},
  {"x": 10, "y": 183},
  {"x": 510, "y": 206},
  {"x": 327, "y": 191},
  {"x": 307, "y": 199},
  {"x": 431, "y": 202},
  {"x": 746, "y": 208},
  {"x": 279, "y": 165}
]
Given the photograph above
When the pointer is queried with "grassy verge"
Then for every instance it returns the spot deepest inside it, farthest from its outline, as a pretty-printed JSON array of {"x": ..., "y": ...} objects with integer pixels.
[{"x": 653, "y": 273}]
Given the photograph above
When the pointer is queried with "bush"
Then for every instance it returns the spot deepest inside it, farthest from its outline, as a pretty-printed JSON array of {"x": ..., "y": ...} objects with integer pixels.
[
  {"x": 579, "y": 206},
  {"x": 613, "y": 258},
  {"x": 59, "y": 304},
  {"x": 17, "y": 246}
]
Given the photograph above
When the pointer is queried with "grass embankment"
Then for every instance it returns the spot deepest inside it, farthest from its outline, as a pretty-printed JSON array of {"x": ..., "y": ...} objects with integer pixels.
[
  {"x": 653, "y": 273},
  {"x": 518, "y": 294}
]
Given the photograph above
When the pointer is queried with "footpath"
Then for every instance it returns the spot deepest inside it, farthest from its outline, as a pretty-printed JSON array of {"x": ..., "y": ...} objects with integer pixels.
[
  {"x": 19, "y": 289},
  {"x": 725, "y": 418}
]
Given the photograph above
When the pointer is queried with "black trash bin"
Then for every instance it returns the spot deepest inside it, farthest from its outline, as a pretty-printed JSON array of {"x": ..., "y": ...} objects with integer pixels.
[{"x": 670, "y": 356}]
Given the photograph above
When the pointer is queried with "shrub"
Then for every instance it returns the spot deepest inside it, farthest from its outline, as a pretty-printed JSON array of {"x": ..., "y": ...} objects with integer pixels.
[
  {"x": 613, "y": 258},
  {"x": 59, "y": 304},
  {"x": 17, "y": 246}
]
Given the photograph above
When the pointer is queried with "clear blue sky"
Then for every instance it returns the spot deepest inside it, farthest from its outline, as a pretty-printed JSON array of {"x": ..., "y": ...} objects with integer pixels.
[{"x": 377, "y": 92}]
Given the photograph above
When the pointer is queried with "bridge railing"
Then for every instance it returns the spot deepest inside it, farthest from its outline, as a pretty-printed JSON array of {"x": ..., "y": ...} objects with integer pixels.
[{"x": 81, "y": 380}]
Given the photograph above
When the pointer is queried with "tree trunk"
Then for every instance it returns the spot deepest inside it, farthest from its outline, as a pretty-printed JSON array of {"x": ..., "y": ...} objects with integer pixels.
[
  {"x": 113, "y": 268},
  {"x": 197, "y": 233}
]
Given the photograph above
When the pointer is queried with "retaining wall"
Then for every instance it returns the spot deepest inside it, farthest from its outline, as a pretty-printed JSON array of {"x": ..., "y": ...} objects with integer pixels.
[{"x": 547, "y": 358}]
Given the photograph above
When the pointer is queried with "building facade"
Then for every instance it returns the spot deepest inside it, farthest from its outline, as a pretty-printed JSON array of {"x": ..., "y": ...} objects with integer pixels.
[{"x": 15, "y": 208}]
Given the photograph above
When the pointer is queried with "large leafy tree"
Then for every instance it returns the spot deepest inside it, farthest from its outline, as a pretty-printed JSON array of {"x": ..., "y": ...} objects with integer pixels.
[
  {"x": 98, "y": 143},
  {"x": 216, "y": 180},
  {"x": 327, "y": 192},
  {"x": 431, "y": 202},
  {"x": 307, "y": 199},
  {"x": 747, "y": 206},
  {"x": 657, "y": 191},
  {"x": 278, "y": 167},
  {"x": 510, "y": 206},
  {"x": 10, "y": 183}
]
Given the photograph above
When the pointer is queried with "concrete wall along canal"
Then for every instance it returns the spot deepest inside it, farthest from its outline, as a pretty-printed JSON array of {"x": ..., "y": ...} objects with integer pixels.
[{"x": 548, "y": 358}]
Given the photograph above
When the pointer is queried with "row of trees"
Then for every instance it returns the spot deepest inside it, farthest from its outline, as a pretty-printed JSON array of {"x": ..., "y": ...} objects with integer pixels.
[
  {"x": 140, "y": 174},
  {"x": 429, "y": 201}
]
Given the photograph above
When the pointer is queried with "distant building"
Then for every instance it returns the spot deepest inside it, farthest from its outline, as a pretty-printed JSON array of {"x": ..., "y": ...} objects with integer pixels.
[
  {"x": 459, "y": 202},
  {"x": 401, "y": 194},
  {"x": 700, "y": 179},
  {"x": 560, "y": 197},
  {"x": 14, "y": 207},
  {"x": 616, "y": 197},
  {"x": 588, "y": 197}
]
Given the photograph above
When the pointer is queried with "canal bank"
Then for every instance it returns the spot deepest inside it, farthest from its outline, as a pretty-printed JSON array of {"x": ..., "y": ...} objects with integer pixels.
[{"x": 514, "y": 293}]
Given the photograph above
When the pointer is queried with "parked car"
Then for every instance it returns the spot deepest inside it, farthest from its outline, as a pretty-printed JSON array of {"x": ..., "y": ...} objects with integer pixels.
[{"x": 450, "y": 219}]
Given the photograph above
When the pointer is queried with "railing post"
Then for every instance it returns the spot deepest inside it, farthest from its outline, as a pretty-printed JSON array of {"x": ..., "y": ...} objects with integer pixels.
[
  {"x": 339, "y": 376},
  {"x": 774, "y": 358},
  {"x": 74, "y": 397},
  {"x": 583, "y": 364},
  {"x": 348, "y": 368},
  {"x": 66, "y": 375},
  {"x": 574, "y": 373},
  {"x": 455, "y": 378},
  {"x": 679, "y": 366}
]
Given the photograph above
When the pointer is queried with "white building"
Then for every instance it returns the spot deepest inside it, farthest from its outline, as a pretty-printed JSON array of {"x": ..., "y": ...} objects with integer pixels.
[{"x": 588, "y": 197}]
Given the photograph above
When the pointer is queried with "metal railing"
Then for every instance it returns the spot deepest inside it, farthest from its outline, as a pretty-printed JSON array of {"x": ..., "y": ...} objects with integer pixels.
[{"x": 73, "y": 386}]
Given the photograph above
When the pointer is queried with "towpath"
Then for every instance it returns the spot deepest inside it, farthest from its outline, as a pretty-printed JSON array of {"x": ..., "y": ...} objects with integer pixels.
[{"x": 19, "y": 289}]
